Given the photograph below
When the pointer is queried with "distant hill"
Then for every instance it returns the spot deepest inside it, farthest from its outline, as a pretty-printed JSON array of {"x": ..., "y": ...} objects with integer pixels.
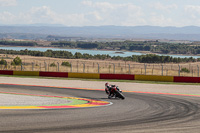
[{"x": 126, "y": 32}]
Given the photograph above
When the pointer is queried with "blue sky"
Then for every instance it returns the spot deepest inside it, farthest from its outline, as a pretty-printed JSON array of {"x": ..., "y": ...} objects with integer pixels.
[{"x": 101, "y": 12}]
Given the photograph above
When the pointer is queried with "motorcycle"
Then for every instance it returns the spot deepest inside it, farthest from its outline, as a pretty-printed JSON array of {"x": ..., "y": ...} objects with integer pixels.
[{"x": 115, "y": 92}]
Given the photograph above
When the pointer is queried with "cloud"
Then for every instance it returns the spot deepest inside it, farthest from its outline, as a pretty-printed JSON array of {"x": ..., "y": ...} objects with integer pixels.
[
  {"x": 160, "y": 20},
  {"x": 87, "y": 3},
  {"x": 168, "y": 8},
  {"x": 93, "y": 16},
  {"x": 8, "y": 2},
  {"x": 106, "y": 6},
  {"x": 192, "y": 8},
  {"x": 193, "y": 14},
  {"x": 43, "y": 14},
  {"x": 6, "y": 17},
  {"x": 194, "y": 11},
  {"x": 105, "y": 13}
]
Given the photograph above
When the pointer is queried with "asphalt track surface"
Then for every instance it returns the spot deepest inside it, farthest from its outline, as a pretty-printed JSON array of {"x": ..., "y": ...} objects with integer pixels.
[{"x": 138, "y": 113}]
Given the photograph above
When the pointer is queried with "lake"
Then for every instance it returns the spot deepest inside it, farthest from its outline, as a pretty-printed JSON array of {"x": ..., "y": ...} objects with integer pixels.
[{"x": 92, "y": 52}]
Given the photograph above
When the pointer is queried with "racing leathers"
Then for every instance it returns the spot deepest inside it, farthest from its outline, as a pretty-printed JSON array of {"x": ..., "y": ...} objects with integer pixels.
[{"x": 109, "y": 90}]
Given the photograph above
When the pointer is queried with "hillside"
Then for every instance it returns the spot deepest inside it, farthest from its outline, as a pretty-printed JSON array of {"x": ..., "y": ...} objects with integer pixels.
[{"x": 125, "y": 32}]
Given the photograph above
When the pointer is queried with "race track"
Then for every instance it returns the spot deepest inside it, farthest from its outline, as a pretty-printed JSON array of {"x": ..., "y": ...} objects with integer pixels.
[{"x": 138, "y": 113}]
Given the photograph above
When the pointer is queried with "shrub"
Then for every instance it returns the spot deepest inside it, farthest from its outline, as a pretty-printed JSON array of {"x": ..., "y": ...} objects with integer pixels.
[
  {"x": 185, "y": 70},
  {"x": 65, "y": 63},
  {"x": 53, "y": 65}
]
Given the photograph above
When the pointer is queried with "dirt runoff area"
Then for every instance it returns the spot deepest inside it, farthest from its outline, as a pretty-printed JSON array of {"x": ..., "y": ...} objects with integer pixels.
[{"x": 143, "y": 87}]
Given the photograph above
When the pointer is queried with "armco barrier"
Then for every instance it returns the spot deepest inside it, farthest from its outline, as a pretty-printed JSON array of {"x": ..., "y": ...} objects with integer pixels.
[
  {"x": 117, "y": 76},
  {"x": 84, "y": 75},
  {"x": 54, "y": 74},
  {"x": 187, "y": 79},
  {"x": 154, "y": 78},
  {"x": 26, "y": 73},
  {"x": 6, "y": 72}
]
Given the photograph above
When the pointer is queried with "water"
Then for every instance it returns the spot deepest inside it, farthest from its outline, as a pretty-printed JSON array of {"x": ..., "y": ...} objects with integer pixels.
[
  {"x": 73, "y": 51},
  {"x": 92, "y": 52}
]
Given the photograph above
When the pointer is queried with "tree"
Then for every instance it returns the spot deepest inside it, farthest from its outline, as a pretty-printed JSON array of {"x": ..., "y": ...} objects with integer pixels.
[
  {"x": 78, "y": 55},
  {"x": 16, "y": 61},
  {"x": 3, "y": 62}
]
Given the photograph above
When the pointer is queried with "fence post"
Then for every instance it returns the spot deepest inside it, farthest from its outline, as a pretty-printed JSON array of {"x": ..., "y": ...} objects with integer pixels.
[
  {"x": 71, "y": 66},
  {"x": 145, "y": 68},
  {"x": 83, "y": 67},
  {"x": 45, "y": 65},
  {"x": 192, "y": 71},
  {"x": 125, "y": 66},
  {"x": 198, "y": 70},
  {"x": 40, "y": 66},
  {"x": 58, "y": 66},
  {"x": 114, "y": 67},
  {"x": 77, "y": 66},
  {"x": 109, "y": 68},
  {"x": 32, "y": 66},
  {"x": 179, "y": 70},
  {"x": 21, "y": 67},
  {"x": 98, "y": 67},
  {"x": 129, "y": 66},
  {"x": 162, "y": 69}
]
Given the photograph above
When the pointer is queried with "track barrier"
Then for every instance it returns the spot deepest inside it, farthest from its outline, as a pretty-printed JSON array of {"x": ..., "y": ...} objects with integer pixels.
[
  {"x": 117, "y": 76},
  {"x": 103, "y": 76},
  {"x": 54, "y": 74},
  {"x": 154, "y": 78},
  {"x": 6, "y": 72},
  {"x": 84, "y": 75},
  {"x": 187, "y": 79},
  {"x": 26, "y": 73}
]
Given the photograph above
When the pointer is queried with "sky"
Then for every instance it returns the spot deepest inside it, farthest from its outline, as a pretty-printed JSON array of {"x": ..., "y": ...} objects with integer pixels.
[{"x": 163, "y": 13}]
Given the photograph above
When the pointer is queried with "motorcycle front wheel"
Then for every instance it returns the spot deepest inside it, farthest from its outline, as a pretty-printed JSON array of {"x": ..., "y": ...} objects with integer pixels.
[{"x": 120, "y": 95}]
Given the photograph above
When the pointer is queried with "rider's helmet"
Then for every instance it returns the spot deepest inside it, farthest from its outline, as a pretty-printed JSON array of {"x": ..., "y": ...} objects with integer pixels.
[{"x": 106, "y": 84}]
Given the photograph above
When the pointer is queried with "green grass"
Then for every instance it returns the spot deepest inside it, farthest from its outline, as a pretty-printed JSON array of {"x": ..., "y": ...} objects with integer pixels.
[{"x": 106, "y": 80}]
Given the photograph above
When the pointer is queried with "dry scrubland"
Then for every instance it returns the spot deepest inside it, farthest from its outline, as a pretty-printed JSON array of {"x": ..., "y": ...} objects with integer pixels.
[{"x": 105, "y": 66}]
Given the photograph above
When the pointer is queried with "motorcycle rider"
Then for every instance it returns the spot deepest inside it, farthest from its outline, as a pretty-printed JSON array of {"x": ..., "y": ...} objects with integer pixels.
[{"x": 109, "y": 88}]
